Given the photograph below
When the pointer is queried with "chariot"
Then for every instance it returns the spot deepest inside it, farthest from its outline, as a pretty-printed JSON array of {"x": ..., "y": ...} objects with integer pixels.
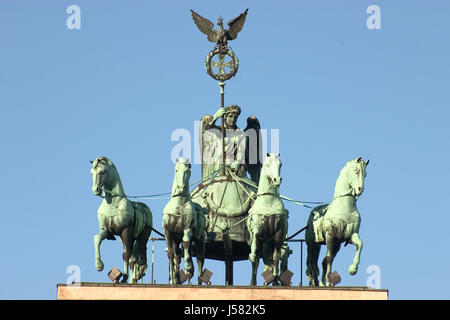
[
  {"x": 228, "y": 216},
  {"x": 227, "y": 201}
]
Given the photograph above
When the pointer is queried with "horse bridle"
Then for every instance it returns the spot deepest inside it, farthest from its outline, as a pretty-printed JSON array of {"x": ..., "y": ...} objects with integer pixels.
[
  {"x": 182, "y": 193},
  {"x": 265, "y": 193},
  {"x": 351, "y": 192}
]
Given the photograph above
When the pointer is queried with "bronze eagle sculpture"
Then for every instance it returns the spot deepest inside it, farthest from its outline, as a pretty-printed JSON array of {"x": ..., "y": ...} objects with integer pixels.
[{"x": 221, "y": 36}]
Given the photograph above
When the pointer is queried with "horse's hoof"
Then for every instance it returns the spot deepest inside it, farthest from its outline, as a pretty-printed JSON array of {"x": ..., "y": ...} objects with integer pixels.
[
  {"x": 352, "y": 269},
  {"x": 99, "y": 266}
]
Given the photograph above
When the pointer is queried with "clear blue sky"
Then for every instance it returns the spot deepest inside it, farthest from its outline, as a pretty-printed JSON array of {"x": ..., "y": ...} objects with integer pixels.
[{"x": 134, "y": 73}]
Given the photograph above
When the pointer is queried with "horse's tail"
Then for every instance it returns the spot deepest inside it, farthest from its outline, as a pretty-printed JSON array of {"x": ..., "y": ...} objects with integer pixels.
[
  {"x": 143, "y": 218},
  {"x": 146, "y": 213},
  {"x": 309, "y": 232},
  {"x": 200, "y": 230},
  {"x": 311, "y": 227}
]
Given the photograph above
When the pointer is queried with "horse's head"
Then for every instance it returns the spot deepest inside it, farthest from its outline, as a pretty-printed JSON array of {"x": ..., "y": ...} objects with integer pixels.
[
  {"x": 182, "y": 176},
  {"x": 271, "y": 168},
  {"x": 356, "y": 172},
  {"x": 100, "y": 174}
]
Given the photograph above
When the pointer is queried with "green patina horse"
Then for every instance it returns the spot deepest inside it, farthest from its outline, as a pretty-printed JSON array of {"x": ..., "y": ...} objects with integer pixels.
[
  {"x": 267, "y": 223},
  {"x": 183, "y": 222},
  {"x": 117, "y": 215},
  {"x": 336, "y": 223}
]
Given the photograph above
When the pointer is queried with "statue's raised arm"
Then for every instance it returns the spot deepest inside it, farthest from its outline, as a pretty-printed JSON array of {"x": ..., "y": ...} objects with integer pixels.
[
  {"x": 211, "y": 145},
  {"x": 210, "y": 142}
]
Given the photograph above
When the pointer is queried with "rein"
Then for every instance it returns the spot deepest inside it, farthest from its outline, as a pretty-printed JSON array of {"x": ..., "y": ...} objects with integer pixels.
[
  {"x": 127, "y": 196},
  {"x": 299, "y": 202},
  {"x": 184, "y": 192},
  {"x": 179, "y": 195},
  {"x": 236, "y": 178},
  {"x": 154, "y": 196},
  {"x": 346, "y": 195},
  {"x": 266, "y": 193}
]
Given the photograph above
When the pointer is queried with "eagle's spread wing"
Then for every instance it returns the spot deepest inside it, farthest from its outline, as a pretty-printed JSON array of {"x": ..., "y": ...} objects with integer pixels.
[
  {"x": 236, "y": 25},
  {"x": 205, "y": 26}
]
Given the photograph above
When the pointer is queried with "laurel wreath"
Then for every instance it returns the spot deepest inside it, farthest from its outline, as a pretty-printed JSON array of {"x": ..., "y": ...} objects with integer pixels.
[{"x": 222, "y": 77}]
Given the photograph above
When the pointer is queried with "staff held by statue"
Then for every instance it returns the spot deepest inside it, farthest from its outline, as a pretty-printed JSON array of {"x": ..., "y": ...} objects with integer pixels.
[{"x": 221, "y": 50}]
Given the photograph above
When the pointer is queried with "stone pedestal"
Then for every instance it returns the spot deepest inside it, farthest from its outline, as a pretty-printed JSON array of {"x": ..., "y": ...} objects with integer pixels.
[{"x": 118, "y": 291}]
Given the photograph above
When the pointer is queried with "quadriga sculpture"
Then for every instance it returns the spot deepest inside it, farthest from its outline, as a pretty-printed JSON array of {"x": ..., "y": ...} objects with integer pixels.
[
  {"x": 183, "y": 222},
  {"x": 267, "y": 222},
  {"x": 117, "y": 215},
  {"x": 336, "y": 223}
]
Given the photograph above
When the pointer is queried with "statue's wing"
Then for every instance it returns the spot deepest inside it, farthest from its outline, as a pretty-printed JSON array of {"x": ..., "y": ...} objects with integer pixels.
[
  {"x": 236, "y": 25},
  {"x": 253, "y": 148},
  {"x": 253, "y": 123},
  {"x": 205, "y": 26}
]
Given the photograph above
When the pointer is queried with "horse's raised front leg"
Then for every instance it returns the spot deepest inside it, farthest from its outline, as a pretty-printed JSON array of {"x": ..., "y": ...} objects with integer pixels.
[
  {"x": 127, "y": 242},
  {"x": 254, "y": 255},
  {"x": 255, "y": 265},
  {"x": 170, "y": 256},
  {"x": 98, "y": 238},
  {"x": 188, "y": 265},
  {"x": 355, "y": 240},
  {"x": 255, "y": 245}
]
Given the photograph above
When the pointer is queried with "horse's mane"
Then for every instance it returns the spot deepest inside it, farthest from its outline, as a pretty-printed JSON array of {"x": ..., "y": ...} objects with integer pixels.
[
  {"x": 103, "y": 159},
  {"x": 347, "y": 165},
  {"x": 271, "y": 157},
  {"x": 351, "y": 161},
  {"x": 184, "y": 161},
  {"x": 106, "y": 159}
]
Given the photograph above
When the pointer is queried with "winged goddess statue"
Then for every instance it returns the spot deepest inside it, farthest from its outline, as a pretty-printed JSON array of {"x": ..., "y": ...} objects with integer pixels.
[{"x": 221, "y": 36}]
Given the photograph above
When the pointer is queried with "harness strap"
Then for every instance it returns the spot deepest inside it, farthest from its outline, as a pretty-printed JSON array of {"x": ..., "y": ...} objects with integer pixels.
[
  {"x": 301, "y": 203},
  {"x": 237, "y": 180}
]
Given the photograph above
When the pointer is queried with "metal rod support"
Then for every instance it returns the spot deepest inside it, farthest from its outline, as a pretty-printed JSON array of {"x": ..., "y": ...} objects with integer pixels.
[
  {"x": 153, "y": 258},
  {"x": 301, "y": 263},
  {"x": 222, "y": 105}
]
